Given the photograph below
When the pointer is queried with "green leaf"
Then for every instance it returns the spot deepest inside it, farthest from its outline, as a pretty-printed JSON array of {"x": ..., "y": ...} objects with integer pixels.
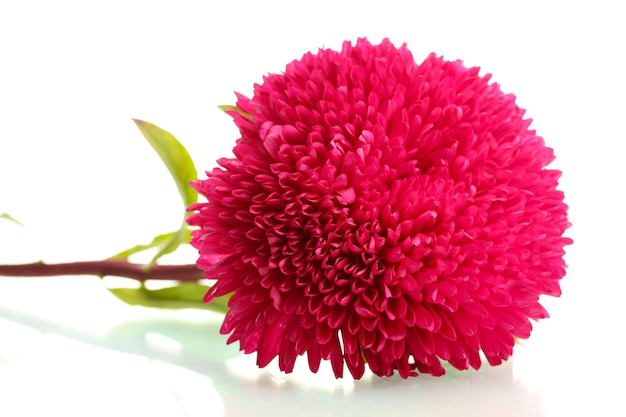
[
  {"x": 175, "y": 157},
  {"x": 181, "y": 167},
  {"x": 170, "y": 245},
  {"x": 10, "y": 218},
  {"x": 183, "y": 295},
  {"x": 228, "y": 107},
  {"x": 163, "y": 242}
]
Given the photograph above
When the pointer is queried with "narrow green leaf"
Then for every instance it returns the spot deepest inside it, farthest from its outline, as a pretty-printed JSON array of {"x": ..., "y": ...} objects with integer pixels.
[
  {"x": 175, "y": 157},
  {"x": 183, "y": 171},
  {"x": 183, "y": 295},
  {"x": 228, "y": 107},
  {"x": 161, "y": 241},
  {"x": 170, "y": 245},
  {"x": 8, "y": 217}
]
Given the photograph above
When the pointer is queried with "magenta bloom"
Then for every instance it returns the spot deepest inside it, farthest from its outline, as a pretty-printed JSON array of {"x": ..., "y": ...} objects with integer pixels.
[{"x": 381, "y": 213}]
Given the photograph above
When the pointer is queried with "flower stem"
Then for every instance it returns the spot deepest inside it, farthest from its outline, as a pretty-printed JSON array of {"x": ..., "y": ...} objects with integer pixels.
[{"x": 118, "y": 268}]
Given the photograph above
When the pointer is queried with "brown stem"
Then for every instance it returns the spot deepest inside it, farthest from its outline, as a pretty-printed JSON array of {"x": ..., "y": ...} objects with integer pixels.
[{"x": 116, "y": 268}]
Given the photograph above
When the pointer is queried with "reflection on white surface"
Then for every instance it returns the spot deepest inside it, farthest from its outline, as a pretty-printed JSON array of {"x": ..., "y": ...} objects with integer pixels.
[
  {"x": 175, "y": 363},
  {"x": 164, "y": 343},
  {"x": 65, "y": 377}
]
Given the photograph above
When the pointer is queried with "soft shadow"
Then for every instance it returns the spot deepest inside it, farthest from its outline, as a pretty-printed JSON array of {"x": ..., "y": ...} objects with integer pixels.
[
  {"x": 491, "y": 391},
  {"x": 245, "y": 390}
]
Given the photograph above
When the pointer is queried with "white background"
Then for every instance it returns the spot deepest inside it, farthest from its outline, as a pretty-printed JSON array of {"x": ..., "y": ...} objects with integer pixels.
[{"x": 75, "y": 170}]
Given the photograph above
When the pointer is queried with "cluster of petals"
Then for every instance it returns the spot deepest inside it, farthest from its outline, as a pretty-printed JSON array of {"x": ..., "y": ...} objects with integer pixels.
[{"x": 381, "y": 213}]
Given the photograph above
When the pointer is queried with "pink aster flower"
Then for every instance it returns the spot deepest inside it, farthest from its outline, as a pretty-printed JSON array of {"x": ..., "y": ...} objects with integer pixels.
[{"x": 382, "y": 213}]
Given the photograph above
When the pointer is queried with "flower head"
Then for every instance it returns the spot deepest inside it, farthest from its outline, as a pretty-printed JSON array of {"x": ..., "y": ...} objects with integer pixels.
[{"x": 382, "y": 213}]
